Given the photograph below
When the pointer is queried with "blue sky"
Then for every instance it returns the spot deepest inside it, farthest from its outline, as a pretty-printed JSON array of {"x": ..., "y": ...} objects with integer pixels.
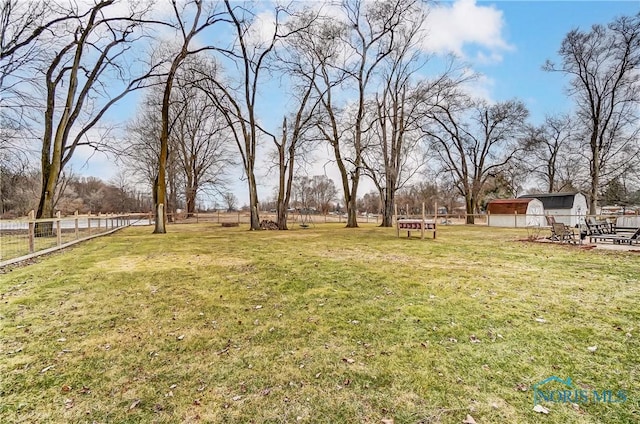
[
  {"x": 536, "y": 29},
  {"x": 507, "y": 42}
]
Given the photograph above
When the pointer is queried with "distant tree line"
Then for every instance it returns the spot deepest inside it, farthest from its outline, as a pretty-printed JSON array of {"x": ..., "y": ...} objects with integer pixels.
[{"x": 19, "y": 193}]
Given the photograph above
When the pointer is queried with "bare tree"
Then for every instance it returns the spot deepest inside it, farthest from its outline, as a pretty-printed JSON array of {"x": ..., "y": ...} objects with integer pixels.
[
  {"x": 140, "y": 151},
  {"x": 191, "y": 19},
  {"x": 236, "y": 98},
  {"x": 198, "y": 137},
  {"x": 553, "y": 154},
  {"x": 347, "y": 54},
  {"x": 474, "y": 141},
  {"x": 394, "y": 155},
  {"x": 323, "y": 192},
  {"x": 288, "y": 149},
  {"x": 294, "y": 143},
  {"x": 230, "y": 200},
  {"x": 604, "y": 64},
  {"x": 88, "y": 54},
  {"x": 22, "y": 26}
]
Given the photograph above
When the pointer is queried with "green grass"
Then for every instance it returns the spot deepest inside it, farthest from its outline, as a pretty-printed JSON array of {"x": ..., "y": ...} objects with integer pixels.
[{"x": 324, "y": 325}]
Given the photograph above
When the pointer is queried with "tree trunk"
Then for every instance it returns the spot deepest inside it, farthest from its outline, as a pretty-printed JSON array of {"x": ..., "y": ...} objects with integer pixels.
[
  {"x": 253, "y": 202},
  {"x": 160, "y": 219},
  {"x": 191, "y": 201},
  {"x": 470, "y": 208},
  {"x": 160, "y": 186},
  {"x": 45, "y": 206},
  {"x": 283, "y": 192},
  {"x": 352, "y": 206},
  {"x": 595, "y": 178},
  {"x": 387, "y": 213}
]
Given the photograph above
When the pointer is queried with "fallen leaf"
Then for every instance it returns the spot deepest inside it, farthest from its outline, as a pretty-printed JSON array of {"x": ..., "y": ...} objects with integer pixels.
[
  {"x": 542, "y": 320},
  {"x": 522, "y": 387},
  {"x": 180, "y": 337},
  {"x": 474, "y": 339},
  {"x": 469, "y": 420},
  {"x": 62, "y": 339},
  {"x": 387, "y": 421},
  {"x": 349, "y": 360},
  {"x": 258, "y": 306},
  {"x": 236, "y": 398},
  {"x": 45, "y": 369},
  {"x": 66, "y": 388},
  {"x": 173, "y": 386},
  {"x": 134, "y": 404},
  {"x": 592, "y": 348},
  {"x": 541, "y": 409},
  {"x": 68, "y": 403},
  {"x": 196, "y": 402}
]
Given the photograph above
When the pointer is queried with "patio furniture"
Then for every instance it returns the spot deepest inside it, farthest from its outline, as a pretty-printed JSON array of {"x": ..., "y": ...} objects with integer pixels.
[{"x": 618, "y": 238}]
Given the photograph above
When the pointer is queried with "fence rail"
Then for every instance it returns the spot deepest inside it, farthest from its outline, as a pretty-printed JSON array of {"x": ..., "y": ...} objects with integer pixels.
[
  {"x": 294, "y": 218},
  {"x": 25, "y": 238}
]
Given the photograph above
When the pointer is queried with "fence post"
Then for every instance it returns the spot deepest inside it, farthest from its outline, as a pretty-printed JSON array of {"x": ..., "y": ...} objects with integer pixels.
[
  {"x": 89, "y": 223},
  {"x": 32, "y": 231},
  {"x": 58, "y": 229},
  {"x": 76, "y": 224}
]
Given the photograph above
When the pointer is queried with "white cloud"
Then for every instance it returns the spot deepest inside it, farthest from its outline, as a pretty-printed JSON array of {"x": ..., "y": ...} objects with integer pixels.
[
  {"x": 451, "y": 28},
  {"x": 480, "y": 87}
]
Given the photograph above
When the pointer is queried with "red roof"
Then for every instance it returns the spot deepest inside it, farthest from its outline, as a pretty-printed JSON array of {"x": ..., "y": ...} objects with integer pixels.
[{"x": 508, "y": 206}]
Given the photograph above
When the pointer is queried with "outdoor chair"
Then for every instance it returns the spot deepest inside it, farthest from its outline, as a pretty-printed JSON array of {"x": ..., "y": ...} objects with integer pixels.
[
  {"x": 563, "y": 233},
  {"x": 551, "y": 221},
  {"x": 599, "y": 227}
]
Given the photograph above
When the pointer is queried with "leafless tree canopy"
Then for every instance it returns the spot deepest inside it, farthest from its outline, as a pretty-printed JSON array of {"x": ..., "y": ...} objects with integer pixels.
[
  {"x": 357, "y": 83},
  {"x": 604, "y": 67}
]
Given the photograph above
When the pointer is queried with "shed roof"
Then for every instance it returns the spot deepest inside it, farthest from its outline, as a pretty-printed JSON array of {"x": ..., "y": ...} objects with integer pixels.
[
  {"x": 508, "y": 206},
  {"x": 553, "y": 200}
]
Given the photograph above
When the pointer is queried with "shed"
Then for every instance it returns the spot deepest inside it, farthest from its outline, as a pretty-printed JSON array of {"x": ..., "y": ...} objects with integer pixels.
[
  {"x": 568, "y": 208},
  {"x": 516, "y": 213}
]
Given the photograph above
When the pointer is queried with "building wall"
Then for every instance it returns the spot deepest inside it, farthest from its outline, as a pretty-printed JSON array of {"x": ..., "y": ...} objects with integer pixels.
[
  {"x": 573, "y": 217},
  {"x": 534, "y": 217}
]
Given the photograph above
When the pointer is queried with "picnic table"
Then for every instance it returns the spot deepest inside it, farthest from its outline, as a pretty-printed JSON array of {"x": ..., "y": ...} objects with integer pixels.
[{"x": 421, "y": 225}]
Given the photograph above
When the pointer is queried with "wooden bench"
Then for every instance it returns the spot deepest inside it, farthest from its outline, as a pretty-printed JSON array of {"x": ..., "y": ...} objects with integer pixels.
[
  {"x": 622, "y": 235},
  {"x": 415, "y": 225}
]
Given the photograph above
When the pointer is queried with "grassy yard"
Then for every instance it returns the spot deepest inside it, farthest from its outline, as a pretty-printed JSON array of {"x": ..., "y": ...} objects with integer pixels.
[{"x": 324, "y": 325}]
